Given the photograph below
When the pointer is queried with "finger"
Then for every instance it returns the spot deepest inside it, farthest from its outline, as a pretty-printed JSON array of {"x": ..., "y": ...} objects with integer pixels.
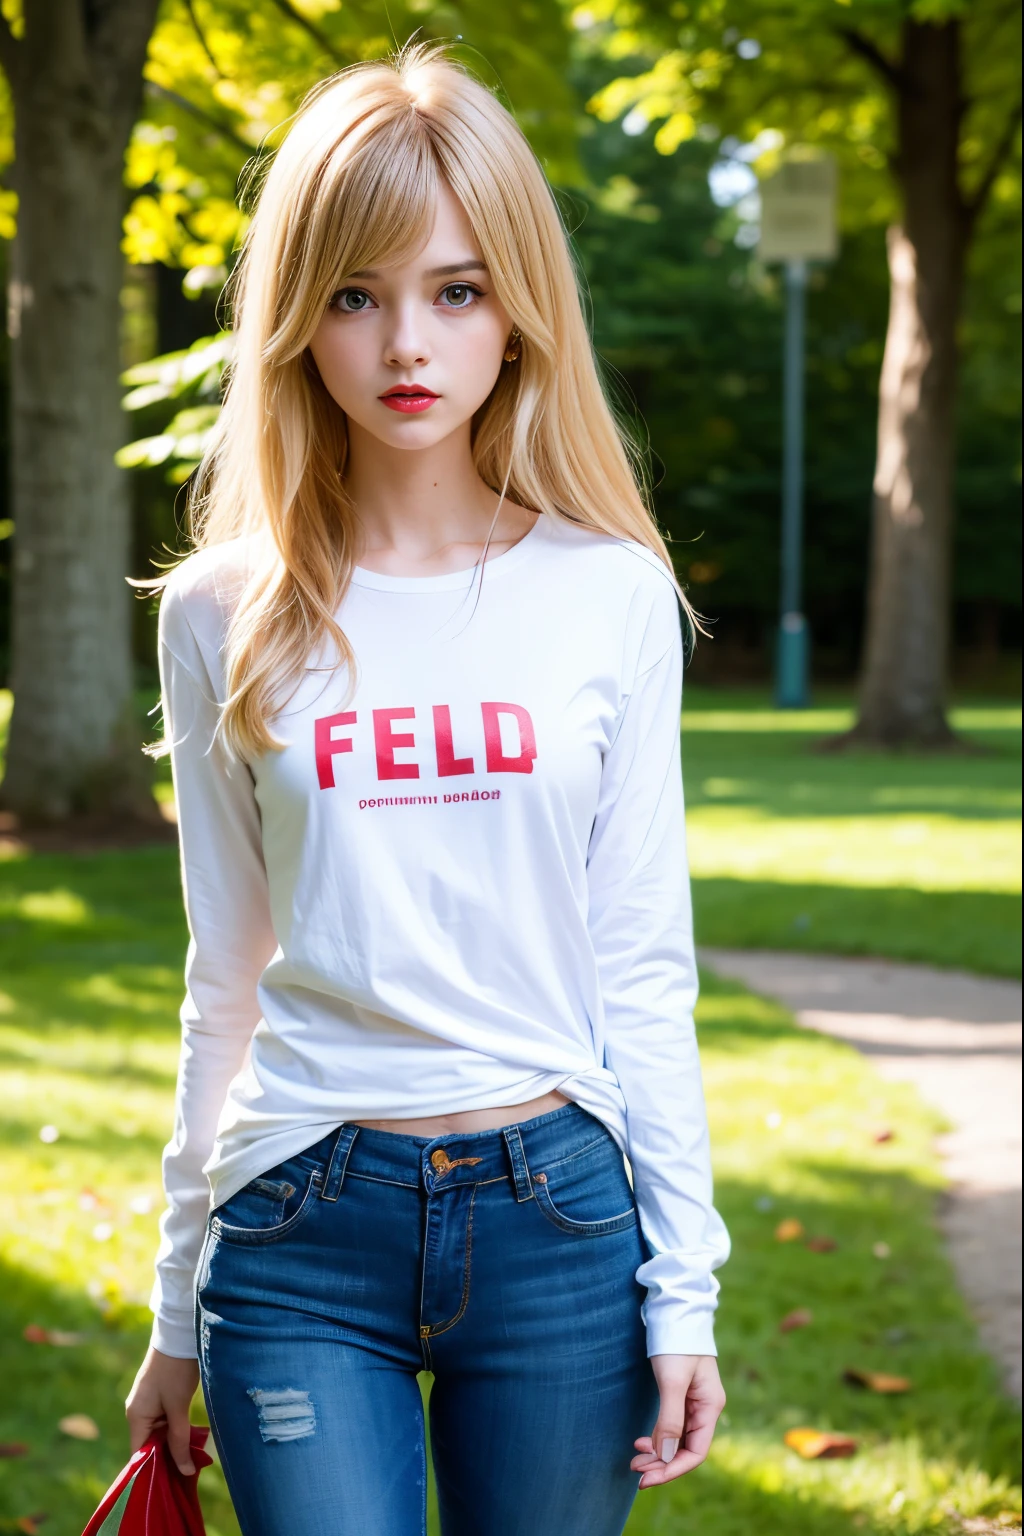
[
  {"x": 178, "y": 1431},
  {"x": 683, "y": 1462},
  {"x": 141, "y": 1427},
  {"x": 700, "y": 1431},
  {"x": 699, "y": 1434},
  {"x": 667, "y": 1437}
]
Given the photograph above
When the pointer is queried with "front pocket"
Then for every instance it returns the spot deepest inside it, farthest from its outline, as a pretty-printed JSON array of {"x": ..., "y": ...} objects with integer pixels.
[
  {"x": 266, "y": 1209},
  {"x": 588, "y": 1195}
]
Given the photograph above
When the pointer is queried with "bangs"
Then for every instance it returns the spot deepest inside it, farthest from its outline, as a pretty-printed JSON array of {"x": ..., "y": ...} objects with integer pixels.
[{"x": 369, "y": 201}]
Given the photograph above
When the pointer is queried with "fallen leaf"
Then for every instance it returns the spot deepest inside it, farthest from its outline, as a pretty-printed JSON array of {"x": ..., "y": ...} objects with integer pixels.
[
  {"x": 9, "y": 1449},
  {"x": 876, "y": 1381},
  {"x": 822, "y": 1244},
  {"x": 38, "y": 1335},
  {"x": 789, "y": 1230},
  {"x": 884, "y": 1133},
  {"x": 818, "y": 1444},
  {"x": 800, "y": 1317},
  {"x": 79, "y": 1426}
]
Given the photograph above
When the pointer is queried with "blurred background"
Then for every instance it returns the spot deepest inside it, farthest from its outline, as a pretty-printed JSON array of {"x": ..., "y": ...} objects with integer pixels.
[{"x": 854, "y": 803}]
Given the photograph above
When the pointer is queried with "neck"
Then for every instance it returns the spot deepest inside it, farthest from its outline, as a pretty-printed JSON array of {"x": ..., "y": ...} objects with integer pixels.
[{"x": 416, "y": 502}]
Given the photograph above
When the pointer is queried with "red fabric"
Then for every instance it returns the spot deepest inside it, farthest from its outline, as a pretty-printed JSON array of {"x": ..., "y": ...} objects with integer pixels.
[{"x": 161, "y": 1502}]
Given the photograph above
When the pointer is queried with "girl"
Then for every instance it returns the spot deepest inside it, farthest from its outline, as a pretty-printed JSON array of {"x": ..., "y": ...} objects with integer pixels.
[{"x": 421, "y": 684}]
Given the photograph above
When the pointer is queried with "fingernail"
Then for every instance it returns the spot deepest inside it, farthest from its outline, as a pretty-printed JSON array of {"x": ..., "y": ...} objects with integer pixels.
[
  {"x": 669, "y": 1446},
  {"x": 186, "y": 1469}
]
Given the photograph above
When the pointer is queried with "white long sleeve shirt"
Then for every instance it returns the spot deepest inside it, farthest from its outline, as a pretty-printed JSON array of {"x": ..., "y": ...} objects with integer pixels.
[{"x": 462, "y": 886}]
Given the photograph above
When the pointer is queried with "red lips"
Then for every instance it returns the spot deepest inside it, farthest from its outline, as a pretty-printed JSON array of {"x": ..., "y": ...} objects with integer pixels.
[{"x": 410, "y": 398}]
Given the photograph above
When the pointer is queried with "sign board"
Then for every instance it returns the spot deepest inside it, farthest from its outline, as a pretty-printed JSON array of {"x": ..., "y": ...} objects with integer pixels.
[{"x": 798, "y": 211}]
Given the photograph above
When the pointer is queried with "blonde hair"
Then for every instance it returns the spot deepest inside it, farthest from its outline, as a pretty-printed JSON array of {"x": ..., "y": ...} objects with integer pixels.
[{"x": 353, "y": 185}]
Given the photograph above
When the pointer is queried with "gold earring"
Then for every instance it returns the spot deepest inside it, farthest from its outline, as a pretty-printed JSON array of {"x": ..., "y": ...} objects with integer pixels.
[{"x": 515, "y": 345}]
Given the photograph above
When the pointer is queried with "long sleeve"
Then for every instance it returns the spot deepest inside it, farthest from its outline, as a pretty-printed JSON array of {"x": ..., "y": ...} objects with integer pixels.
[
  {"x": 641, "y": 927},
  {"x": 231, "y": 941}
]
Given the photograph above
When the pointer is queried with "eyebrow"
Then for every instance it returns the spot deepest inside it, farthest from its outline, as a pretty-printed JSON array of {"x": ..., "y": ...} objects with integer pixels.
[{"x": 470, "y": 265}]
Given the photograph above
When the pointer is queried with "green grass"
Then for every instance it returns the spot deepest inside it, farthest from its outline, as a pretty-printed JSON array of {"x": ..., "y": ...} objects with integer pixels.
[
  {"x": 910, "y": 856},
  {"x": 90, "y": 953}
]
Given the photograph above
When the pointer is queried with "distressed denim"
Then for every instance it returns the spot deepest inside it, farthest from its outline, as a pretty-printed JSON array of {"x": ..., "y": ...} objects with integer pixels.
[{"x": 503, "y": 1262}]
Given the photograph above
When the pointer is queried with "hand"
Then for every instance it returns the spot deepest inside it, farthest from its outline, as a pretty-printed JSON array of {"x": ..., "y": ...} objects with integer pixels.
[
  {"x": 160, "y": 1399},
  {"x": 692, "y": 1398}
]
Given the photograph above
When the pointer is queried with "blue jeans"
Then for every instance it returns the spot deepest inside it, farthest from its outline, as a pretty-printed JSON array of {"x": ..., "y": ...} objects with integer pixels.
[{"x": 501, "y": 1261}]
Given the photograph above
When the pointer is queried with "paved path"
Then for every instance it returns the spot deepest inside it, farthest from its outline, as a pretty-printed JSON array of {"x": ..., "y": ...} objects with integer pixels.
[{"x": 958, "y": 1037}]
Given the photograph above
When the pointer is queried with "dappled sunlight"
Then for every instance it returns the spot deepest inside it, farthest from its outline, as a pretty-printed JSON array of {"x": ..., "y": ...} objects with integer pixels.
[
  {"x": 57, "y": 907},
  {"x": 757, "y": 721},
  {"x": 907, "y": 855},
  {"x": 746, "y": 713},
  {"x": 923, "y": 852},
  {"x": 116, "y": 991}
]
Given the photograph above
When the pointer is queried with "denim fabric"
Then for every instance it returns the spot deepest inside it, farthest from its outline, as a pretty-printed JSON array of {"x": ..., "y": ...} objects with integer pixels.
[{"x": 501, "y": 1261}]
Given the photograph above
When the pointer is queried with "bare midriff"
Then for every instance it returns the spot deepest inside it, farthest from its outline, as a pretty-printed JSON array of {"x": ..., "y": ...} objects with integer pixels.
[{"x": 471, "y": 1119}]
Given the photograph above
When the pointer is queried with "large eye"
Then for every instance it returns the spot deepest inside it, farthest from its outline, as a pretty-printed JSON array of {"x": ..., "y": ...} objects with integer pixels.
[
  {"x": 351, "y": 301},
  {"x": 460, "y": 295}
]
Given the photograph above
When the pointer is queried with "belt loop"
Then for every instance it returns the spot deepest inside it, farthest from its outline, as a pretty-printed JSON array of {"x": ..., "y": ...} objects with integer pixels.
[
  {"x": 334, "y": 1175},
  {"x": 517, "y": 1157}
]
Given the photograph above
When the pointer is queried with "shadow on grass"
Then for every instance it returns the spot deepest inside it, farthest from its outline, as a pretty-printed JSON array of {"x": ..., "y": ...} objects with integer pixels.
[
  {"x": 59, "y": 1477},
  {"x": 783, "y": 774},
  {"x": 970, "y": 930},
  {"x": 714, "y": 1502}
]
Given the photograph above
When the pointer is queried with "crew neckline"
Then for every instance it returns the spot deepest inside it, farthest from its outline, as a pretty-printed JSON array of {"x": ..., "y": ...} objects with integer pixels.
[{"x": 451, "y": 580}]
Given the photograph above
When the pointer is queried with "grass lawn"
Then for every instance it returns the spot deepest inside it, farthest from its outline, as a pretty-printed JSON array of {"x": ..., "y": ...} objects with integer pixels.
[
  {"x": 90, "y": 955},
  {"x": 914, "y": 857}
]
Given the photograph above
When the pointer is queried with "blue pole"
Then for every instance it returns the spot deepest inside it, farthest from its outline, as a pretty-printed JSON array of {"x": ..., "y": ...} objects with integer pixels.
[{"x": 792, "y": 654}]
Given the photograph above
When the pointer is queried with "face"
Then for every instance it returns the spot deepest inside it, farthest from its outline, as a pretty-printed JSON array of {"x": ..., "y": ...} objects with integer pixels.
[{"x": 410, "y": 351}]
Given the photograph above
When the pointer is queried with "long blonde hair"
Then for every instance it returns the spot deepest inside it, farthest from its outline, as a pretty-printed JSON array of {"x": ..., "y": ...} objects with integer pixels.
[{"x": 353, "y": 185}]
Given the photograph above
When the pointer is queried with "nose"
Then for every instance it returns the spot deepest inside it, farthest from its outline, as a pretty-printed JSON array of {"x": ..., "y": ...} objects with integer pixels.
[{"x": 407, "y": 345}]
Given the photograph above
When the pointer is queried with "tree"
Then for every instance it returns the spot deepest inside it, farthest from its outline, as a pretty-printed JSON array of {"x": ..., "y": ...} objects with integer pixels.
[
  {"x": 75, "y": 76},
  {"x": 922, "y": 103}
]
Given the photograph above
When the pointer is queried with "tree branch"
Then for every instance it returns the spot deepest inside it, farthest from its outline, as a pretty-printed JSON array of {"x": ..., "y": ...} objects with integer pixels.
[
  {"x": 976, "y": 202},
  {"x": 201, "y": 35},
  {"x": 865, "y": 49},
  {"x": 321, "y": 38},
  {"x": 152, "y": 89}
]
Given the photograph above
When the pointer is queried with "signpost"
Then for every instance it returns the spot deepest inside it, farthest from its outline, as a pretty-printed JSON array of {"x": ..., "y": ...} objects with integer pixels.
[{"x": 798, "y": 225}]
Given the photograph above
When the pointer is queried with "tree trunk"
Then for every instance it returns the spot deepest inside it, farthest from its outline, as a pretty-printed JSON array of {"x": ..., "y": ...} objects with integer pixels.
[
  {"x": 903, "y": 682},
  {"x": 74, "y": 744}
]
